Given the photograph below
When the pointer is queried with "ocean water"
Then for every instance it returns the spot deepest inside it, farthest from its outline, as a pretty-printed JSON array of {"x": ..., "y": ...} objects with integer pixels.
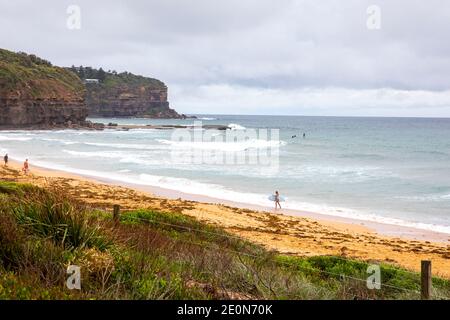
[{"x": 392, "y": 170}]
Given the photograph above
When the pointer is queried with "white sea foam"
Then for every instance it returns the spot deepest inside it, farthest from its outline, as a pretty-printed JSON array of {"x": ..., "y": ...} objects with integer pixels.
[
  {"x": 121, "y": 157},
  {"x": 224, "y": 146},
  {"x": 147, "y": 161},
  {"x": 206, "y": 118},
  {"x": 224, "y": 193},
  {"x": 14, "y": 138},
  {"x": 94, "y": 154},
  {"x": 234, "y": 126},
  {"x": 125, "y": 146},
  {"x": 339, "y": 173},
  {"x": 51, "y": 140},
  {"x": 67, "y": 143},
  {"x": 220, "y": 192},
  {"x": 132, "y": 132},
  {"x": 426, "y": 198}
]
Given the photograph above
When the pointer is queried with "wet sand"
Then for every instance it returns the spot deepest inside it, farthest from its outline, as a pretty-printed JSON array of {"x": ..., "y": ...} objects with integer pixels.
[{"x": 286, "y": 231}]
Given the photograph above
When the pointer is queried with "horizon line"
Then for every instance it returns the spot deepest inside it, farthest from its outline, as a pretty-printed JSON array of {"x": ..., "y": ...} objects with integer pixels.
[{"x": 328, "y": 116}]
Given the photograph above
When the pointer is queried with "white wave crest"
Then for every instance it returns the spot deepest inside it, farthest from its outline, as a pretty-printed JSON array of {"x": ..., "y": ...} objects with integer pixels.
[
  {"x": 67, "y": 143},
  {"x": 94, "y": 154},
  {"x": 234, "y": 126},
  {"x": 14, "y": 138},
  {"x": 232, "y": 146},
  {"x": 123, "y": 146},
  {"x": 220, "y": 192},
  {"x": 426, "y": 198}
]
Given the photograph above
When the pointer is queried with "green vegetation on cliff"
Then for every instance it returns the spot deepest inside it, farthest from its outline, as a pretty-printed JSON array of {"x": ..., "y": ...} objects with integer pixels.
[
  {"x": 159, "y": 255},
  {"x": 111, "y": 79},
  {"x": 29, "y": 74},
  {"x": 112, "y": 94}
]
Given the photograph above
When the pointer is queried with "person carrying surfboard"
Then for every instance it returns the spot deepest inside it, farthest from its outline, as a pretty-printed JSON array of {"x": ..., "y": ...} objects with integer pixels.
[{"x": 277, "y": 200}]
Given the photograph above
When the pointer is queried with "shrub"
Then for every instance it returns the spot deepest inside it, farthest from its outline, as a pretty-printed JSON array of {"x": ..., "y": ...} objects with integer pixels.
[
  {"x": 11, "y": 238},
  {"x": 9, "y": 188},
  {"x": 50, "y": 215}
]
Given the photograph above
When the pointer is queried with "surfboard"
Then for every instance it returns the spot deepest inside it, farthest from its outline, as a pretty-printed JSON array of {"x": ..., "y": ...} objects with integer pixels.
[{"x": 272, "y": 198}]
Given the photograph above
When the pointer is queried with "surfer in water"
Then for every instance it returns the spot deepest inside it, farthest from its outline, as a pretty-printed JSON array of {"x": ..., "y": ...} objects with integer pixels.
[{"x": 277, "y": 200}]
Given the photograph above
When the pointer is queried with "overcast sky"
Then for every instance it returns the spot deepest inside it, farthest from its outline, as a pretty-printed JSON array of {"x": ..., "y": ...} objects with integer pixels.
[{"x": 304, "y": 57}]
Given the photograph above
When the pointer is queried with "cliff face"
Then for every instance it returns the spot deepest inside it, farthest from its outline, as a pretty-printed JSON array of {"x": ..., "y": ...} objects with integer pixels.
[
  {"x": 45, "y": 112},
  {"x": 128, "y": 101},
  {"x": 35, "y": 93},
  {"x": 111, "y": 94}
]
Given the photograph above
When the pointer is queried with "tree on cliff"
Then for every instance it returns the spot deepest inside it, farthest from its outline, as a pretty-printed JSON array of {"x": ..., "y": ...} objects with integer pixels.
[
  {"x": 81, "y": 73},
  {"x": 74, "y": 69},
  {"x": 101, "y": 75}
]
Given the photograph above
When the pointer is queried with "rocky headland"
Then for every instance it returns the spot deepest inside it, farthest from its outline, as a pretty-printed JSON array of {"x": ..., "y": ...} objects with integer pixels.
[
  {"x": 33, "y": 92},
  {"x": 110, "y": 94}
]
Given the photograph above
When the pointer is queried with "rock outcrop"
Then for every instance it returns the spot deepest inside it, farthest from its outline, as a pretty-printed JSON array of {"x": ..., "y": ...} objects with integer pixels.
[
  {"x": 35, "y": 93},
  {"x": 111, "y": 94},
  {"x": 128, "y": 101}
]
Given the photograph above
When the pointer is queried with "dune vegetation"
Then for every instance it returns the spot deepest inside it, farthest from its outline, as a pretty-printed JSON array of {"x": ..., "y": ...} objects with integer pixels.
[{"x": 158, "y": 255}]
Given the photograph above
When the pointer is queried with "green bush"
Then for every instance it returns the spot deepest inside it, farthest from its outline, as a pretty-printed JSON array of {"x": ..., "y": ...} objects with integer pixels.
[
  {"x": 65, "y": 223},
  {"x": 7, "y": 187}
]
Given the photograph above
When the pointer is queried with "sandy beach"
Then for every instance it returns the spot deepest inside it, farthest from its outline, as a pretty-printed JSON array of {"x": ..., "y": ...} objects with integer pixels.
[{"x": 289, "y": 232}]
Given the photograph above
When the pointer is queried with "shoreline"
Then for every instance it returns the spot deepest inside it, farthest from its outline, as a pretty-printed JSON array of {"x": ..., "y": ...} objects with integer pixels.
[
  {"x": 383, "y": 229},
  {"x": 302, "y": 234},
  {"x": 380, "y": 228},
  {"x": 111, "y": 126}
]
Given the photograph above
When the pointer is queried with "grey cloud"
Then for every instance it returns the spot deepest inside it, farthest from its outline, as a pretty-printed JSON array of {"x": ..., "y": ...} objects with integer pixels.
[{"x": 254, "y": 44}]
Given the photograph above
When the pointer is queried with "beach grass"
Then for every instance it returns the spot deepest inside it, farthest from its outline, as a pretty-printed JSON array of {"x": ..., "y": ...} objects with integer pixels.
[{"x": 163, "y": 255}]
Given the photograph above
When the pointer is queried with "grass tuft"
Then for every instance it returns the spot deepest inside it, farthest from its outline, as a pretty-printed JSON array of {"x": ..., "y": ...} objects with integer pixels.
[{"x": 51, "y": 216}]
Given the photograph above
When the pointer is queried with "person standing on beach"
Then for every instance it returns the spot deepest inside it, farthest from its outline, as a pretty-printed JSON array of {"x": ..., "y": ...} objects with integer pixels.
[
  {"x": 277, "y": 200},
  {"x": 5, "y": 158},
  {"x": 26, "y": 167}
]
